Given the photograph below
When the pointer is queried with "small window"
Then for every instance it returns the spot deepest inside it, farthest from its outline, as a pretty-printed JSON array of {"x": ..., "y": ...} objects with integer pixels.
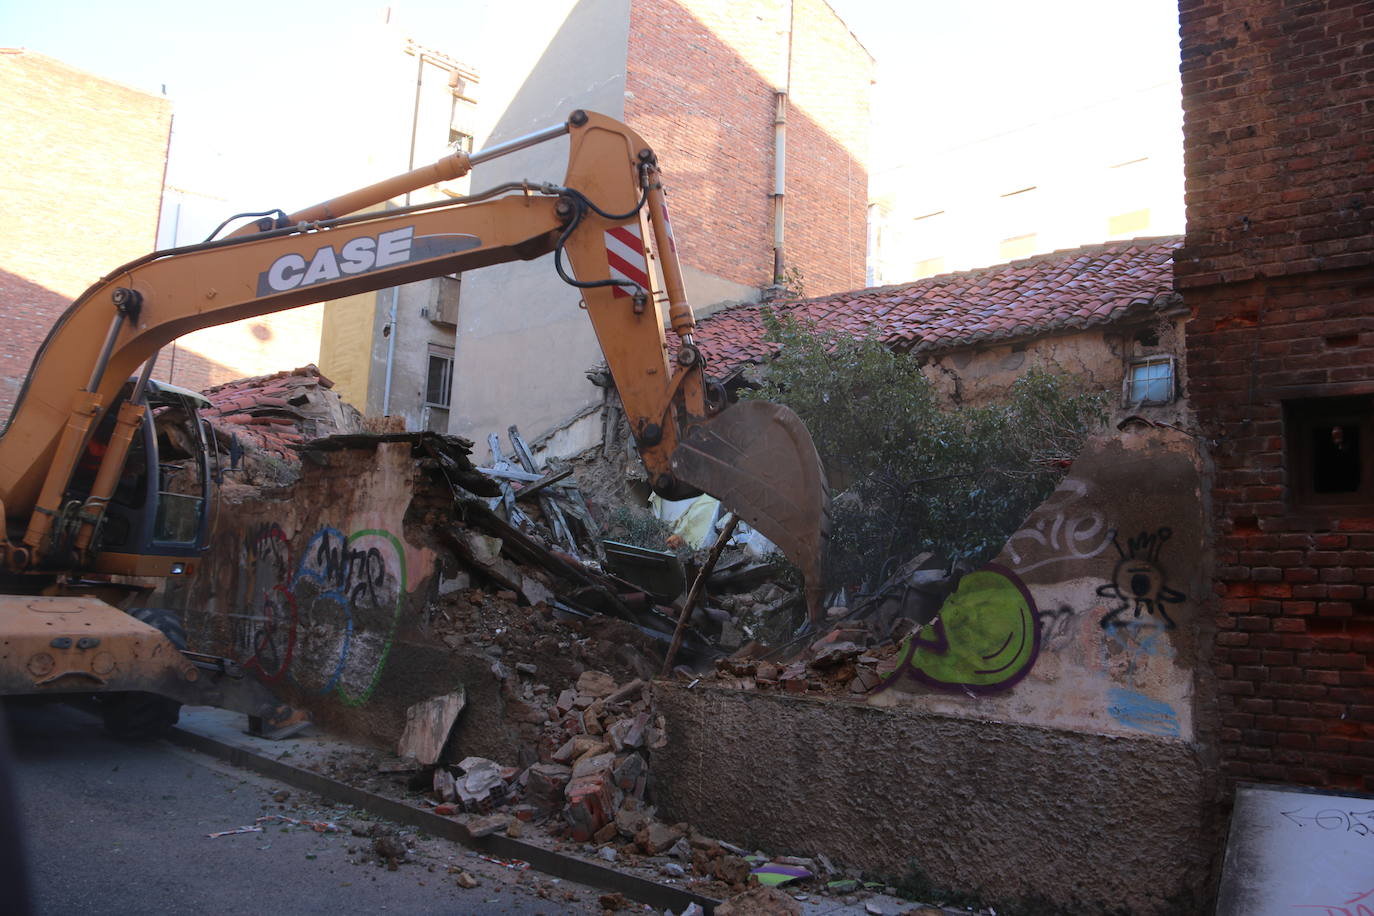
[
  {"x": 1150, "y": 381},
  {"x": 1330, "y": 444},
  {"x": 439, "y": 383}
]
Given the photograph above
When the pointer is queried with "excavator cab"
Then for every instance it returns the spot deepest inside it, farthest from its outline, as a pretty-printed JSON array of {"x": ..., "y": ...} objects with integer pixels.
[{"x": 160, "y": 507}]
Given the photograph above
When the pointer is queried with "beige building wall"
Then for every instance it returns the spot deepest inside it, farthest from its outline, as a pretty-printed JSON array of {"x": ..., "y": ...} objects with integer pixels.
[
  {"x": 241, "y": 349},
  {"x": 697, "y": 79},
  {"x": 1112, "y": 171},
  {"x": 346, "y": 334},
  {"x": 381, "y": 365},
  {"x": 522, "y": 342}
]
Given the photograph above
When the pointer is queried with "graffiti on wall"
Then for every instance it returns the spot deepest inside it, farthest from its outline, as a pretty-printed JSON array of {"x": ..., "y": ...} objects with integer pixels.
[
  {"x": 989, "y": 634},
  {"x": 985, "y": 638},
  {"x": 1139, "y": 581},
  {"x": 300, "y": 619},
  {"x": 1139, "y": 585},
  {"x": 1057, "y": 627},
  {"x": 262, "y": 631},
  {"x": 1066, "y": 529},
  {"x": 1142, "y": 713}
]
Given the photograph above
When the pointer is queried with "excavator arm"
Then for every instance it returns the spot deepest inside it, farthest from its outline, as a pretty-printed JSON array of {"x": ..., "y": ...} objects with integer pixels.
[{"x": 757, "y": 458}]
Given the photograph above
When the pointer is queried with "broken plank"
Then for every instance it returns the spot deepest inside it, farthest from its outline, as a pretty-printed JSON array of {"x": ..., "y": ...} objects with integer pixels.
[
  {"x": 546, "y": 481},
  {"x": 509, "y": 473},
  {"x": 552, "y": 513}
]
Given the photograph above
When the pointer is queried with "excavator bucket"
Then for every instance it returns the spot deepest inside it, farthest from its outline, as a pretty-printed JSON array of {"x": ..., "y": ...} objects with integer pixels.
[{"x": 758, "y": 459}]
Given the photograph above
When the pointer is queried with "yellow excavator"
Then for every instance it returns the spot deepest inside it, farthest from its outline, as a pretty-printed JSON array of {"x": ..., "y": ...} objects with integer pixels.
[{"x": 105, "y": 476}]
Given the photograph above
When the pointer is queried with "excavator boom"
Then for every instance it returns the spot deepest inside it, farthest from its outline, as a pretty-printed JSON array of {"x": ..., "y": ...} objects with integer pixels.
[{"x": 758, "y": 459}]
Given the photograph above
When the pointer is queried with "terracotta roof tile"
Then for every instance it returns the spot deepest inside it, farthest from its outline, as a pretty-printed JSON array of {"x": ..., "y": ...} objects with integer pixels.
[{"x": 1075, "y": 289}]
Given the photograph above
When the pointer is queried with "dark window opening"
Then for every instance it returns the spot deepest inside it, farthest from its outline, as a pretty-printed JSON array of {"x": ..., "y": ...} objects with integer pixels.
[
  {"x": 439, "y": 383},
  {"x": 1336, "y": 458},
  {"x": 1330, "y": 445}
]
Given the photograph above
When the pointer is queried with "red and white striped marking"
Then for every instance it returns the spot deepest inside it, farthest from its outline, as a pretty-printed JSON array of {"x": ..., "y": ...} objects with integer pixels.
[{"x": 625, "y": 255}]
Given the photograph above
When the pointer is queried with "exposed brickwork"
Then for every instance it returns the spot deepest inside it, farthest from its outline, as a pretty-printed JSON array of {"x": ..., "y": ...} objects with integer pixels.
[
  {"x": 1278, "y": 135},
  {"x": 84, "y": 161},
  {"x": 1278, "y": 270},
  {"x": 827, "y": 152},
  {"x": 701, "y": 76}
]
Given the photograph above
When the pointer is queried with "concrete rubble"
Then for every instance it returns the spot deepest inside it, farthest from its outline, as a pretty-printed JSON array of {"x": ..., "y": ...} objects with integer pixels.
[
  {"x": 588, "y": 791},
  {"x": 529, "y": 595}
]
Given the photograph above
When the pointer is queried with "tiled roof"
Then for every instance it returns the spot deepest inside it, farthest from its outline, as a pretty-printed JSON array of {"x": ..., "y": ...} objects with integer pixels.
[
  {"x": 274, "y": 413},
  {"x": 1062, "y": 291}
]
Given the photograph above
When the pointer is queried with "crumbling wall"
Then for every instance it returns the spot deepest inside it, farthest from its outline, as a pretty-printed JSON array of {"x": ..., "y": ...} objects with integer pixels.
[
  {"x": 307, "y": 585},
  {"x": 322, "y": 590},
  {"x": 1095, "y": 359},
  {"x": 1088, "y": 618},
  {"x": 975, "y": 376},
  {"x": 1055, "y": 710},
  {"x": 365, "y": 586}
]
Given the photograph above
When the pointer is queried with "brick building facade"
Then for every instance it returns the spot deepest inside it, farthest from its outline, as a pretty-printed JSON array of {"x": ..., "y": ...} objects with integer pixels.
[
  {"x": 1278, "y": 269},
  {"x": 699, "y": 80},
  {"x": 719, "y": 131},
  {"x": 84, "y": 161}
]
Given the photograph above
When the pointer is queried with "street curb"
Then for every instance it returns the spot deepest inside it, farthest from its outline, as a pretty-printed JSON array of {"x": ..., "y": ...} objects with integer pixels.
[{"x": 659, "y": 896}]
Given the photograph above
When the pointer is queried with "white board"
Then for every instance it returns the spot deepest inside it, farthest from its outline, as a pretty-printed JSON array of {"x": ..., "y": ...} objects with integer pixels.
[{"x": 1298, "y": 852}]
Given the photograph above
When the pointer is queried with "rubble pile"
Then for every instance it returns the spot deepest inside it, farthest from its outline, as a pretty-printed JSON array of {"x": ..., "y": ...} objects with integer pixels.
[
  {"x": 587, "y": 763},
  {"x": 859, "y": 649},
  {"x": 588, "y": 785}
]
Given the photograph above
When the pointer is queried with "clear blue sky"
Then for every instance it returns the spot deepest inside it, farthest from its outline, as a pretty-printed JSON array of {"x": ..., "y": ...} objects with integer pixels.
[{"x": 949, "y": 72}]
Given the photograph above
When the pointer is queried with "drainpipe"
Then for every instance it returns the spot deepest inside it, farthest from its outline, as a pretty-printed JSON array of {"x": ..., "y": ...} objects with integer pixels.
[
  {"x": 779, "y": 180},
  {"x": 415, "y": 114},
  {"x": 390, "y": 352}
]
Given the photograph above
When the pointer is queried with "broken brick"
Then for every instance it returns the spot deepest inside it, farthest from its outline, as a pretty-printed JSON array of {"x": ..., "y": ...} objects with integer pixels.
[
  {"x": 599, "y": 764},
  {"x": 627, "y": 772},
  {"x": 575, "y": 747},
  {"x": 591, "y": 805},
  {"x": 656, "y": 838},
  {"x": 596, "y": 684}
]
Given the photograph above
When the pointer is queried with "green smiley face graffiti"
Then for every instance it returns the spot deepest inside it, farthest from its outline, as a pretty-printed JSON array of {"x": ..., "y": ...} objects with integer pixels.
[{"x": 986, "y": 637}]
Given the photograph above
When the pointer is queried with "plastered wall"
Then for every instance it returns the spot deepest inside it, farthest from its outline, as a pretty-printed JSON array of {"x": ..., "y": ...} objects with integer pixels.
[
  {"x": 1088, "y": 618},
  {"x": 1047, "y": 727},
  {"x": 1080, "y": 823}
]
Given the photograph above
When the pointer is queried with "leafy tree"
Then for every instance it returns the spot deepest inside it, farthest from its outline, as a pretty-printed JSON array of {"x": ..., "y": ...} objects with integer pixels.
[{"x": 911, "y": 474}]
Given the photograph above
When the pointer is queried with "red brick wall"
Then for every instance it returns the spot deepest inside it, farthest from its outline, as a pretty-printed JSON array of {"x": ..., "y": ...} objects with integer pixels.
[
  {"x": 1277, "y": 137},
  {"x": 84, "y": 162},
  {"x": 700, "y": 78},
  {"x": 827, "y": 152},
  {"x": 1278, "y": 270}
]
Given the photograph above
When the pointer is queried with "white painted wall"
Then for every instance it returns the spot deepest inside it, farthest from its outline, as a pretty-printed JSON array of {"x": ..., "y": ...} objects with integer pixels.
[{"x": 522, "y": 342}]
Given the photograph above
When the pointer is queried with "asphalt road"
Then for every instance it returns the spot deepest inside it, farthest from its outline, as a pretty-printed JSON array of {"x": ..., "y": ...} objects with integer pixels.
[{"x": 114, "y": 827}]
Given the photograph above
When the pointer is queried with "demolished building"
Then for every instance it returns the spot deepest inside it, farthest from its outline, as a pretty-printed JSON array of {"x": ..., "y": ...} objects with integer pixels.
[{"x": 390, "y": 572}]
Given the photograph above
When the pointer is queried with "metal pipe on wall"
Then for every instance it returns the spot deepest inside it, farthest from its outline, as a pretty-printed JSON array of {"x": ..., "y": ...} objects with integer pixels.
[
  {"x": 390, "y": 351},
  {"x": 779, "y": 180}
]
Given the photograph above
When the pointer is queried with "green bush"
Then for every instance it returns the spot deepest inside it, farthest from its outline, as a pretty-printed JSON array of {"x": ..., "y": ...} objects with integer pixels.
[{"x": 910, "y": 473}]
